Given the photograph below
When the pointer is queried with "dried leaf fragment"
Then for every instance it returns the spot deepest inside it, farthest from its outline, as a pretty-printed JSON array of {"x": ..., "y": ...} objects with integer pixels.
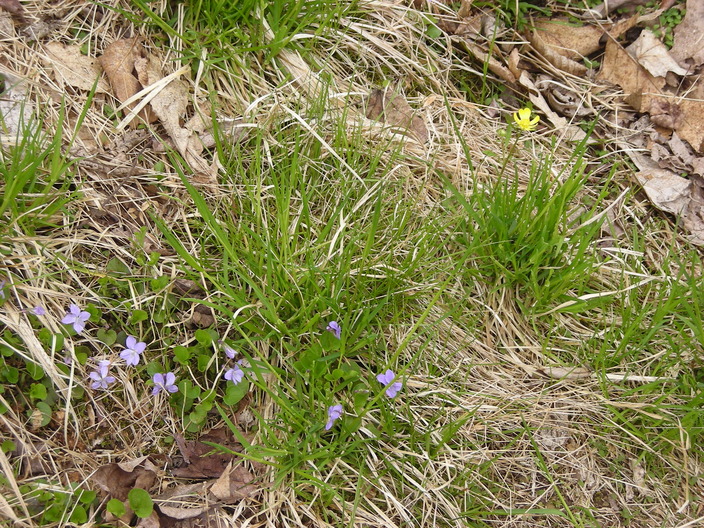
[
  {"x": 692, "y": 126},
  {"x": 653, "y": 55},
  {"x": 203, "y": 460},
  {"x": 119, "y": 479},
  {"x": 233, "y": 485},
  {"x": 118, "y": 62},
  {"x": 558, "y": 60},
  {"x": 668, "y": 191},
  {"x": 13, "y": 7},
  {"x": 688, "y": 45},
  {"x": 394, "y": 110},
  {"x": 619, "y": 68},
  {"x": 74, "y": 68},
  {"x": 567, "y": 39}
]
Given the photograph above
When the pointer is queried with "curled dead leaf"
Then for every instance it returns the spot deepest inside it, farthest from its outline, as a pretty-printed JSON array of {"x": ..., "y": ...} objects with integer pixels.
[
  {"x": 234, "y": 485},
  {"x": 567, "y": 39},
  {"x": 118, "y": 63},
  {"x": 688, "y": 43},
  {"x": 619, "y": 68},
  {"x": 558, "y": 60},
  {"x": 665, "y": 189},
  {"x": 118, "y": 479},
  {"x": 393, "y": 109},
  {"x": 650, "y": 52},
  {"x": 203, "y": 460},
  {"x": 74, "y": 68}
]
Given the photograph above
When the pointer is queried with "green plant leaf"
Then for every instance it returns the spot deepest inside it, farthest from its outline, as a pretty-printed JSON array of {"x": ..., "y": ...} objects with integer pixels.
[
  {"x": 234, "y": 393},
  {"x": 116, "y": 507},
  {"x": 182, "y": 354},
  {"x": 46, "y": 413},
  {"x": 140, "y": 502},
  {"x": 138, "y": 316},
  {"x": 37, "y": 391},
  {"x": 107, "y": 336}
]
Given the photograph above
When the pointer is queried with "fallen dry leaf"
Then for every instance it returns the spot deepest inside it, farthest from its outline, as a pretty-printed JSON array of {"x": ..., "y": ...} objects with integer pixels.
[
  {"x": 394, "y": 110},
  {"x": 74, "y": 68},
  {"x": 15, "y": 110},
  {"x": 568, "y": 40},
  {"x": 202, "y": 460},
  {"x": 688, "y": 43},
  {"x": 691, "y": 128},
  {"x": 119, "y": 479},
  {"x": 562, "y": 62},
  {"x": 169, "y": 103},
  {"x": 665, "y": 189},
  {"x": 118, "y": 63},
  {"x": 653, "y": 55},
  {"x": 13, "y": 7},
  {"x": 619, "y": 68},
  {"x": 150, "y": 522},
  {"x": 184, "y": 501},
  {"x": 233, "y": 485}
]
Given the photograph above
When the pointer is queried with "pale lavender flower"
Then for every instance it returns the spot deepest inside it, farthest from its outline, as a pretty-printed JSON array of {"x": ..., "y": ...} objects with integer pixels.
[
  {"x": 132, "y": 351},
  {"x": 229, "y": 351},
  {"x": 335, "y": 328},
  {"x": 235, "y": 374},
  {"x": 386, "y": 379},
  {"x": 2, "y": 288},
  {"x": 38, "y": 310},
  {"x": 77, "y": 318},
  {"x": 164, "y": 382},
  {"x": 100, "y": 377},
  {"x": 334, "y": 413}
]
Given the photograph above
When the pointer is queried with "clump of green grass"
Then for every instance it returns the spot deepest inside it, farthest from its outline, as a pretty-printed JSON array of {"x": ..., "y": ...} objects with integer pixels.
[{"x": 527, "y": 238}]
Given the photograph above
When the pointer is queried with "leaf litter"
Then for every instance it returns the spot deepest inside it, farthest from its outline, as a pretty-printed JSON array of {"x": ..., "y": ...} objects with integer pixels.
[
  {"x": 664, "y": 85},
  {"x": 225, "y": 481},
  {"x": 503, "y": 64}
]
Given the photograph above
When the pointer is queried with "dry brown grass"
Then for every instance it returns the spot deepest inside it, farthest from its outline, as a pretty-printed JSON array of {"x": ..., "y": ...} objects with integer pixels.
[{"x": 528, "y": 440}]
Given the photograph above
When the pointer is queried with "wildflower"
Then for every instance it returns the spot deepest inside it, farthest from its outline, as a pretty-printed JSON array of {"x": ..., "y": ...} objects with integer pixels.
[
  {"x": 335, "y": 328},
  {"x": 77, "y": 318},
  {"x": 2, "y": 288},
  {"x": 132, "y": 351},
  {"x": 164, "y": 382},
  {"x": 235, "y": 374},
  {"x": 100, "y": 377},
  {"x": 523, "y": 120},
  {"x": 386, "y": 379},
  {"x": 229, "y": 351},
  {"x": 38, "y": 310},
  {"x": 334, "y": 413}
]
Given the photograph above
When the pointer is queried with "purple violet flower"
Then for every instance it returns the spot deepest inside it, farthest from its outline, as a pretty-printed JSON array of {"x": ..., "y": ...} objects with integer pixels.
[
  {"x": 77, "y": 318},
  {"x": 229, "y": 351},
  {"x": 38, "y": 310},
  {"x": 164, "y": 382},
  {"x": 132, "y": 351},
  {"x": 235, "y": 374},
  {"x": 335, "y": 328},
  {"x": 334, "y": 413},
  {"x": 386, "y": 379},
  {"x": 100, "y": 377}
]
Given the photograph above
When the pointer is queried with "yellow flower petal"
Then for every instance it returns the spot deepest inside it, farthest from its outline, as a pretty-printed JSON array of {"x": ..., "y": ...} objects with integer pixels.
[{"x": 523, "y": 119}]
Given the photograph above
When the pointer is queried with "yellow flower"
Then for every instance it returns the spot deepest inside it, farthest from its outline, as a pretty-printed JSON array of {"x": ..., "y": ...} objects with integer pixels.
[{"x": 523, "y": 120}]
